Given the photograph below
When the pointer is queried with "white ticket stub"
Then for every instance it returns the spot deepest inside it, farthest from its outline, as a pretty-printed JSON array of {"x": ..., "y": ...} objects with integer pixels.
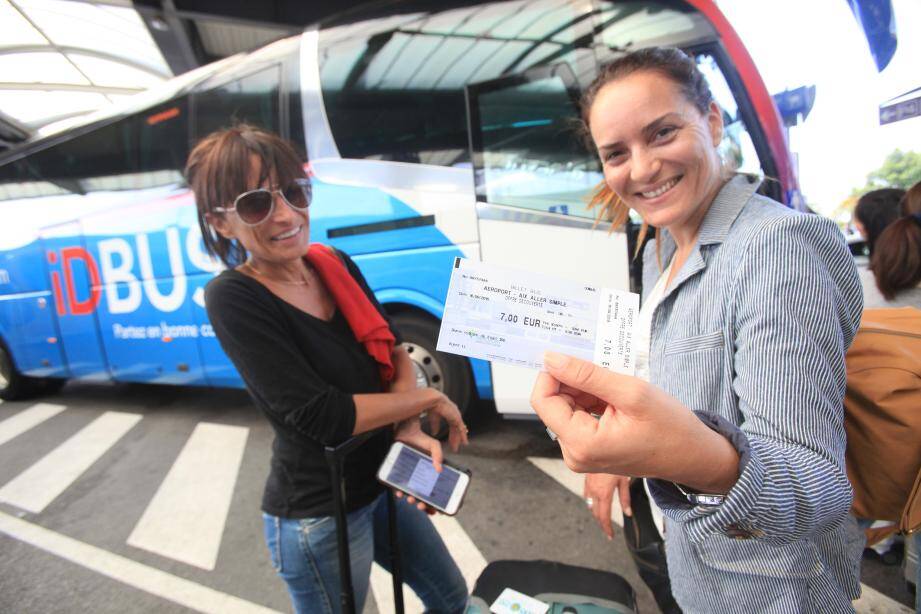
[
  {"x": 511, "y": 601},
  {"x": 512, "y": 316}
]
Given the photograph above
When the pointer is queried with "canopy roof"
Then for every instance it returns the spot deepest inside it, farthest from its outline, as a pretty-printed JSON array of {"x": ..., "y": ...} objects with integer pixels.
[{"x": 60, "y": 58}]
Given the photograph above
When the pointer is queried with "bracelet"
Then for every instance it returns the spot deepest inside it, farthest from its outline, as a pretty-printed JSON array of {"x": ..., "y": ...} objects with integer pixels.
[{"x": 700, "y": 498}]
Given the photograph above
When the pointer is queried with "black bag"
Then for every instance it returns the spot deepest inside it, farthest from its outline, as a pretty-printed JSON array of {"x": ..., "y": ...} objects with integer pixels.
[
  {"x": 647, "y": 548},
  {"x": 569, "y": 589}
]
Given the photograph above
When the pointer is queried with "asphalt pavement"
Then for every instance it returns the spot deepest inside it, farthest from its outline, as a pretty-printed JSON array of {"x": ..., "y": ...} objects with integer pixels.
[{"x": 103, "y": 507}]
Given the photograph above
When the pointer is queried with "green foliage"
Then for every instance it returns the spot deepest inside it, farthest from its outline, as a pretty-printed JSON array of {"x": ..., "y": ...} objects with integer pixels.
[{"x": 899, "y": 170}]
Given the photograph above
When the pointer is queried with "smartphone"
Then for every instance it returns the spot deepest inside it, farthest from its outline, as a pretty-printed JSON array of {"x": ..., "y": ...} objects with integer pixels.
[{"x": 413, "y": 472}]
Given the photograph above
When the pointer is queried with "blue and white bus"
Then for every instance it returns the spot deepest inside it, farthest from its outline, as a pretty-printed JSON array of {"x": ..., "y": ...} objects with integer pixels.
[{"x": 433, "y": 130}]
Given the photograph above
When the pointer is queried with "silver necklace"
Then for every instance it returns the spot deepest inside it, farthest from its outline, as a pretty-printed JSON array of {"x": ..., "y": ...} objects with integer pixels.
[{"x": 300, "y": 282}]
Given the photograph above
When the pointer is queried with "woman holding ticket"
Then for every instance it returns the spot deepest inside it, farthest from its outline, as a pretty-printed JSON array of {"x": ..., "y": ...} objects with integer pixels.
[
  {"x": 321, "y": 362},
  {"x": 735, "y": 416}
]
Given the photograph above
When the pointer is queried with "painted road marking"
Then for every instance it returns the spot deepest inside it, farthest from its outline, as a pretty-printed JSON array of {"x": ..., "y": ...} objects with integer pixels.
[
  {"x": 185, "y": 519},
  {"x": 874, "y": 602},
  {"x": 467, "y": 556},
  {"x": 27, "y": 419},
  {"x": 40, "y": 484},
  {"x": 134, "y": 574},
  {"x": 573, "y": 482},
  {"x": 382, "y": 589}
]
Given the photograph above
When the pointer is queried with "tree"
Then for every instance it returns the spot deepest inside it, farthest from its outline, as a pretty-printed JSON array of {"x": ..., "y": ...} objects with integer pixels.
[{"x": 899, "y": 170}]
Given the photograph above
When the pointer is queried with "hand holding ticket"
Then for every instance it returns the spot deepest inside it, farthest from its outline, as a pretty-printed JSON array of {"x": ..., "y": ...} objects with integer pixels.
[{"x": 512, "y": 316}]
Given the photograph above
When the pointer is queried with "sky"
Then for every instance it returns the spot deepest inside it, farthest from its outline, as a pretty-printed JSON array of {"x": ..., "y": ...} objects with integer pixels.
[{"x": 818, "y": 42}]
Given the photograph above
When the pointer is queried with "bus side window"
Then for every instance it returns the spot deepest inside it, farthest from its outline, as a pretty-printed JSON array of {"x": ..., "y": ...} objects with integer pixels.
[
  {"x": 627, "y": 26},
  {"x": 162, "y": 143},
  {"x": 252, "y": 99},
  {"x": 736, "y": 148},
  {"x": 529, "y": 148},
  {"x": 393, "y": 85},
  {"x": 103, "y": 159}
]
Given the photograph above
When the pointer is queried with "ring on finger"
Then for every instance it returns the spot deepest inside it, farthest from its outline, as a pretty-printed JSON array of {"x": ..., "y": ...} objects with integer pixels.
[{"x": 589, "y": 502}]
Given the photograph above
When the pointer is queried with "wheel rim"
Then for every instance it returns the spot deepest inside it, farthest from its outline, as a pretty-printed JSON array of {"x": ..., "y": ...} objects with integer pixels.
[
  {"x": 6, "y": 369},
  {"x": 428, "y": 371}
]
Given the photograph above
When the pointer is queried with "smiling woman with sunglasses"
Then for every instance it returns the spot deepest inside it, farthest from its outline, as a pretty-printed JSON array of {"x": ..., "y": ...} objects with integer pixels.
[{"x": 322, "y": 363}]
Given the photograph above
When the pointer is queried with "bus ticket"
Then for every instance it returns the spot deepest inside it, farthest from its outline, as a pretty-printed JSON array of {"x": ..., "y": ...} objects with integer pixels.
[{"x": 513, "y": 316}]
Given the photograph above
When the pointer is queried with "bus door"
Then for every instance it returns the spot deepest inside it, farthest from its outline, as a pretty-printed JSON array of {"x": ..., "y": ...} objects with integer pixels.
[
  {"x": 146, "y": 318},
  {"x": 27, "y": 324},
  {"x": 75, "y": 287},
  {"x": 533, "y": 177}
]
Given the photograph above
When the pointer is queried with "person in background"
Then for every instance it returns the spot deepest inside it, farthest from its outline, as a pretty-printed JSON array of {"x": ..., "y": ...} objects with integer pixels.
[
  {"x": 884, "y": 390},
  {"x": 895, "y": 263},
  {"x": 875, "y": 210},
  {"x": 322, "y": 363},
  {"x": 736, "y": 419}
]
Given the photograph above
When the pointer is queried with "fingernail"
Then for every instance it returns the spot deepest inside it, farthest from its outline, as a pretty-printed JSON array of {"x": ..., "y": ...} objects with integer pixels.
[
  {"x": 554, "y": 360},
  {"x": 628, "y": 512}
]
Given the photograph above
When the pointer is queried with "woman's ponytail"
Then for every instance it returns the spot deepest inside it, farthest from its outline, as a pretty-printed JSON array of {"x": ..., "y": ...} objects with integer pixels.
[{"x": 896, "y": 259}]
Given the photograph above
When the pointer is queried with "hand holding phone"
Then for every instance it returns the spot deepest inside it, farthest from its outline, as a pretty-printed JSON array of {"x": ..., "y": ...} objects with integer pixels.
[{"x": 412, "y": 472}]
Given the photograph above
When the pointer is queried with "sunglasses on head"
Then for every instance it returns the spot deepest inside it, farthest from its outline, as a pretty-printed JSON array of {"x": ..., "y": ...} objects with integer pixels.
[{"x": 256, "y": 206}]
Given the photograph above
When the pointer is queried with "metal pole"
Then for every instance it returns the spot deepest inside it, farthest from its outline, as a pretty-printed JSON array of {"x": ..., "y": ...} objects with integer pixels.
[
  {"x": 346, "y": 594},
  {"x": 396, "y": 571}
]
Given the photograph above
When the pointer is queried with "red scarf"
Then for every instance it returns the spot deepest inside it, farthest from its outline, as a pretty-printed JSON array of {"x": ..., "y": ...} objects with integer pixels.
[{"x": 366, "y": 322}]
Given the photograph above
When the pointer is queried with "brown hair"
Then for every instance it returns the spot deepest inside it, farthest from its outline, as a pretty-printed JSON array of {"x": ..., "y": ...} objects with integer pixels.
[
  {"x": 673, "y": 64},
  {"x": 896, "y": 258},
  {"x": 218, "y": 169}
]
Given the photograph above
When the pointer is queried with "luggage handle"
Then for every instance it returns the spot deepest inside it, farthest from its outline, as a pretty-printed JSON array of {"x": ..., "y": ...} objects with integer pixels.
[{"x": 335, "y": 457}]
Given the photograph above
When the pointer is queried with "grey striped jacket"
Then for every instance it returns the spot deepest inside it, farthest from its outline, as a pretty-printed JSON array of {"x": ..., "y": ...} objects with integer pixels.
[{"x": 751, "y": 334}]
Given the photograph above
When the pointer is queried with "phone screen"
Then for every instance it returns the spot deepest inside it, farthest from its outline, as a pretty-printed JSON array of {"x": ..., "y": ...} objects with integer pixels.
[{"x": 415, "y": 474}]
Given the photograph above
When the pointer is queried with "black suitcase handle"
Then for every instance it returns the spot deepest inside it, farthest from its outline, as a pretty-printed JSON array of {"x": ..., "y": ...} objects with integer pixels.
[{"x": 335, "y": 457}]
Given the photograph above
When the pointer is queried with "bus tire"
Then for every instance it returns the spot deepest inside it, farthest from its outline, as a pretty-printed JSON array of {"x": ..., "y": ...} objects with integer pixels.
[
  {"x": 445, "y": 372},
  {"x": 14, "y": 385}
]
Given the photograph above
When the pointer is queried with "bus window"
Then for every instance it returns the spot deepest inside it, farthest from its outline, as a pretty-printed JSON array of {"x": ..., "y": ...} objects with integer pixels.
[
  {"x": 17, "y": 183},
  {"x": 393, "y": 87},
  {"x": 162, "y": 143},
  {"x": 142, "y": 151},
  {"x": 104, "y": 159},
  {"x": 528, "y": 142},
  {"x": 253, "y": 99},
  {"x": 625, "y": 26},
  {"x": 736, "y": 148}
]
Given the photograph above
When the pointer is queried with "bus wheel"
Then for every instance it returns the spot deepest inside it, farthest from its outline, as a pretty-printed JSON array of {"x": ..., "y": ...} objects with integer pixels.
[
  {"x": 445, "y": 372},
  {"x": 13, "y": 385}
]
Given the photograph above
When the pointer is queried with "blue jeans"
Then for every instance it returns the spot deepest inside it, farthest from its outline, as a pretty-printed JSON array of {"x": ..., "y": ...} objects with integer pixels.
[
  {"x": 303, "y": 552},
  {"x": 917, "y": 537}
]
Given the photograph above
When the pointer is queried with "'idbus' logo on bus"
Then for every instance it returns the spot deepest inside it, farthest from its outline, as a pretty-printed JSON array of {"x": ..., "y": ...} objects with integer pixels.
[{"x": 113, "y": 274}]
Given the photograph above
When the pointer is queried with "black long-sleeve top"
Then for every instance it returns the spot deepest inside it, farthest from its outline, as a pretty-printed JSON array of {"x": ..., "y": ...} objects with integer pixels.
[{"x": 301, "y": 372}]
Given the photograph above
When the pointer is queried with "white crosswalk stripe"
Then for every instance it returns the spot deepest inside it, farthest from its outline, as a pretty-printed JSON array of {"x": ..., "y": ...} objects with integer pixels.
[
  {"x": 382, "y": 589},
  {"x": 572, "y": 481},
  {"x": 140, "y": 576},
  {"x": 28, "y": 418},
  {"x": 185, "y": 519},
  {"x": 36, "y": 487},
  {"x": 467, "y": 556}
]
